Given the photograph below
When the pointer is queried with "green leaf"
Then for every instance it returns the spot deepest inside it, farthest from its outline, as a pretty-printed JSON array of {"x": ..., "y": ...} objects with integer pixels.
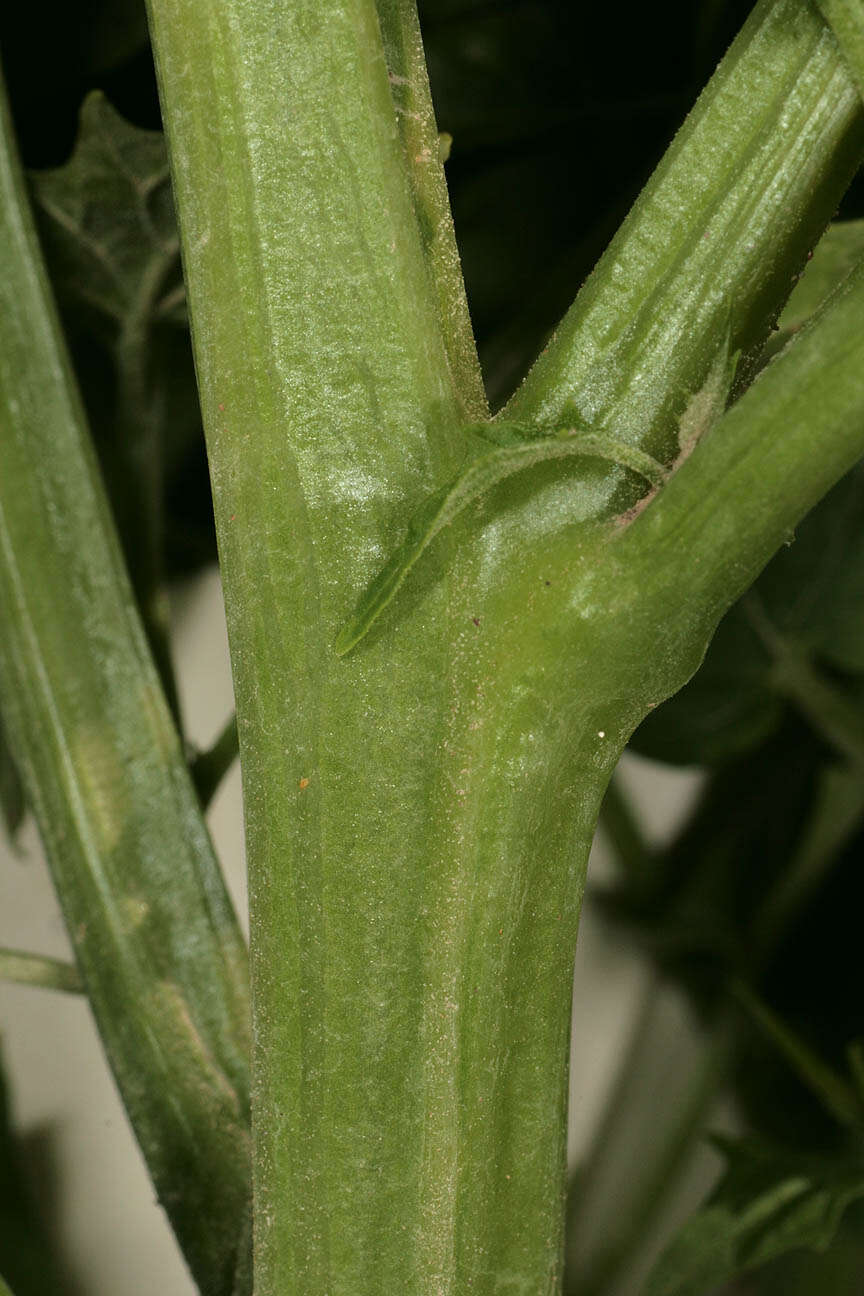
[
  {"x": 486, "y": 471},
  {"x": 812, "y": 594},
  {"x": 766, "y": 1204},
  {"x": 12, "y": 804},
  {"x": 832, "y": 1090},
  {"x": 28, "y": 1257},
  {"x": 725, "y": 710},
  {"x": 107, "y": 226},
  {"x": 106, "y": 219}
]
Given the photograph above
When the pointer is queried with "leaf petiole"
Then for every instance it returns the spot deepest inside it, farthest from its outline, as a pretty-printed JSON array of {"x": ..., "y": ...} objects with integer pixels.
[{"x": 513, "y": 454}]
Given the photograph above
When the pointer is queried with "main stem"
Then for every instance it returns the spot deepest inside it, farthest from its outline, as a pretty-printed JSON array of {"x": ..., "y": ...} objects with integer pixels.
[
  {"x": 419, "y": 813},
  {"x": 414, "y": 884}
]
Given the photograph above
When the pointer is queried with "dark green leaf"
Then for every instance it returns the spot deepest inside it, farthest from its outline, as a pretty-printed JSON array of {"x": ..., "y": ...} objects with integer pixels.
[
  {"x": 107, "y": 225},
  {"x": 208, "y": 768},
  {"x": 812, "y": 594},
  {"x": 144, "y": 900},
  {"x": 116, "y": 32},
  {"x": 725, "y": 710},
  {"x": 26, "y": 1259},
  {"x": 12, "y": 807},
  {"x": 107, "y": 221},
  {"x": 766, "y": 1204},
  {"x": 836, "y": 1272},
  {"x": 833, "y": 1091},
  {"x": 813, "y": 591}
]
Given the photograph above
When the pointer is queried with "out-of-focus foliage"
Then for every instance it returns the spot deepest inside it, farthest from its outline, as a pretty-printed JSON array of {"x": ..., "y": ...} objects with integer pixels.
[
  {"x": 26, "y": 1259},
  {"x": 765, "y": 1205}
]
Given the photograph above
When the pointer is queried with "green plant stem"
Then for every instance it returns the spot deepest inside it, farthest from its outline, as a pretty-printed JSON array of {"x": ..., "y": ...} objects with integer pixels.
[
  {"x": 36, "y": 970},
  {"x": 326, "y": 381},
  {"x": 412, "y": 963},
  {"x": 760, "y": 462},
  {"x": 419, "y": 814},
  {"x": 406, "y": 65},
  {"x": 208, "y": 768},
  {"x": 155, "y": 938},
  {"x": 740, "y": 198}
]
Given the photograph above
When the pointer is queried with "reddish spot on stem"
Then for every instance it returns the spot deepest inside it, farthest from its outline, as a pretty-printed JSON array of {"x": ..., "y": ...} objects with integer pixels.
[{"x": 476, "y": 620}]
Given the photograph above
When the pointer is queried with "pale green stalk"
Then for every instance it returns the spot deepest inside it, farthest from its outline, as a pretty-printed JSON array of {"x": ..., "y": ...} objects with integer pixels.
[
  {"x": 36, "y": 970},
  {"x": 419, "y": 813},
  {"x": 155, "y": 938},
  {"x": 409, "y": 84}
]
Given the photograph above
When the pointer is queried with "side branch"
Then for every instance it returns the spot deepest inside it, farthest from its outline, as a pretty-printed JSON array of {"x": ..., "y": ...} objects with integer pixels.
[
  {"x": 406, "y": 62},
  {"x": 743, "y": 194},
  {"x": 767, "y": 462}
]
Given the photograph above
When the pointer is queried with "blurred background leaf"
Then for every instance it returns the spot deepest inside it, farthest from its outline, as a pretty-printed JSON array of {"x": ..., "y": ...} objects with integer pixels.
[
  {"x": 11, "y": 792},
  {"x": 765, "y": 1205},
  {"x": 28, "y": 1260}
]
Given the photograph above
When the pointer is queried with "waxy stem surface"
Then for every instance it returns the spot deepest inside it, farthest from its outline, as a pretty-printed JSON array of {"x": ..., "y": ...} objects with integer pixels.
[{"x": 419, "y": 812}]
